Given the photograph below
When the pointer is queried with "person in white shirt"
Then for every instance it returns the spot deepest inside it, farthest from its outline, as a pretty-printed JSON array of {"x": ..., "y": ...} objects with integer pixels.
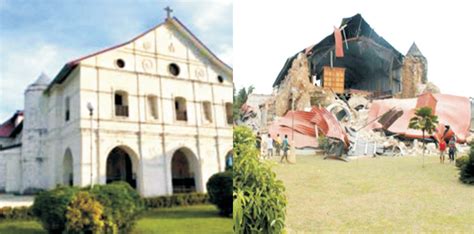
[{"x": 269, "y": 146}]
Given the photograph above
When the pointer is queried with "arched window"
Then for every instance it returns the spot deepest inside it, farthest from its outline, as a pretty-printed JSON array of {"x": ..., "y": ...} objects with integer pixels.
[
  {"x": 121, "y": 103},
  {"x": 152, "y": 106},
  {"x": 228, "y": 112},
  {"x": 68, "y": 107},
  {"x": 68, "y": 175},
  {"x": 206, "y": 107},
  {"x": 180, "y": 109}
]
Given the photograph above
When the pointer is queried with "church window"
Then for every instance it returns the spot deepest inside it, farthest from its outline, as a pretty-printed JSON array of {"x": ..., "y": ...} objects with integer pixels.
[
  {"x": 121, "y": 103},
  {"x": 220, "y": 79},
  {"x": 68, "y": 111},
  {"x": 228, "y": 111},
  {"x": 120, "y": 63},
  {"x": 180, "y": 109},
  {"x": 206, "y": 106},
  {"x": 152, "y": 106},
  {"x": 173, "y": 68}
]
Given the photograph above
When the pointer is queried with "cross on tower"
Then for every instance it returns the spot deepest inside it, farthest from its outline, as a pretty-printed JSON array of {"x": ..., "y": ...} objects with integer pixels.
[{"x": 168, "y": 12}]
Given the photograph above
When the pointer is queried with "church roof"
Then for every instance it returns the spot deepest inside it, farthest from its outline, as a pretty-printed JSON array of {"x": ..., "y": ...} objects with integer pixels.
[
  {"x": 8, "y": 127},
  {"x": 367, "y": 57},
  {"x": 69, "y": 67},
  {"x": 414, "y": 51}
]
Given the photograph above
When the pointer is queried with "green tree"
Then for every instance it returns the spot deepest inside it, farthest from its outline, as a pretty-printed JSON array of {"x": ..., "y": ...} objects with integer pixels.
[
  {"x": 240, "y": 98},
  {"x": 425, "y": 121}
]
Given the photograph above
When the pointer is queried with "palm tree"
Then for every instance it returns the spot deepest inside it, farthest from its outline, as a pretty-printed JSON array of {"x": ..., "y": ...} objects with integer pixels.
[{"x": 425, "y": 121}]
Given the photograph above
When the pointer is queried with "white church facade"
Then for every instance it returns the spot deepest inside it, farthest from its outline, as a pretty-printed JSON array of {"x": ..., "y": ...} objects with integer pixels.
[{"x": 155, "y": 112}]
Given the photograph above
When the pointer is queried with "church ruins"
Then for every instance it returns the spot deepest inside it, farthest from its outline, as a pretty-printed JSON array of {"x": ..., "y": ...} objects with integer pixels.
[
  {"x": 155, "y": 111},
  {"x": 359, "y": 91}
]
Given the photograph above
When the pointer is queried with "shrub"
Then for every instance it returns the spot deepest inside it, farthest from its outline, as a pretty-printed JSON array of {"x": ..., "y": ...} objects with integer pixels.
[
  {"x": 21, "y": 212},
  {"x": 243, "y": 138},
  {"x": 219, "y": 187},
  {"x": 84, "y": 214},
  {"x": 259, "y": 198},
  {"x": 176, "y": 200},
  {"x": 121, "y": 203},
  {"x": 50, "y": 207},
  {"x": 6, "y": 212},
  {"x": 461, "y": 161},
  {"x": 466, "y": 174}
]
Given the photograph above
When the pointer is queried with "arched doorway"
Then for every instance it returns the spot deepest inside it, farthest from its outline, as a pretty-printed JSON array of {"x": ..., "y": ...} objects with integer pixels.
[
  {"x": 184, "y": 171},
  {"x": 229, "y": 160},
  {"x": 120, "y": 167},
  {"x": 68, "y": 174}
]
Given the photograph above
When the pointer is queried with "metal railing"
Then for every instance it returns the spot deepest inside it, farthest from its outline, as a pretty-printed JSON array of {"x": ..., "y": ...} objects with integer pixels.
[
  {"x": 182, "y": 115},
  {"x": 121, "y": 110}
]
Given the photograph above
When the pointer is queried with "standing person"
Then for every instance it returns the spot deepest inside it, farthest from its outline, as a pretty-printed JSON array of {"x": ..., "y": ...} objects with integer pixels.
[
  {"x": 285, "y": 146},
  {"x": 269, "y": 146},
  {"x": 258, "y": 143},
  {"x": 452, "y": 148},
  {"x": 278, "y": 145},
  {"x": 442, "y": 148}
]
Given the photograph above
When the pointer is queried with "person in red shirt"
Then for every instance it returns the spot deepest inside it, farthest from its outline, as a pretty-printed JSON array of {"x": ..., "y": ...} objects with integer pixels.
[{"x": 442, "y": 148}]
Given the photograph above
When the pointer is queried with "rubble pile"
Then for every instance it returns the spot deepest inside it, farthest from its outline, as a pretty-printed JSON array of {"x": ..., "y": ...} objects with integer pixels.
[
  {"x": 361, "y": 100},
  {"x": 363, "y": 127}
]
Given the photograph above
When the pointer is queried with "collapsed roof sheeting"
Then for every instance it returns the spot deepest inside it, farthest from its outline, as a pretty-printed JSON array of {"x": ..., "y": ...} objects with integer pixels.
[
  {"x": 451, "y": 110},
  {"x": 304, "y": 126},
  {"x": 329, "y": 125},
  {"x": 371, "y": 62}
]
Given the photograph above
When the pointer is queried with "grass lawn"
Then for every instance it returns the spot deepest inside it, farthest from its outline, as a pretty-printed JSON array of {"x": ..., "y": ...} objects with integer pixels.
[
  {"x": 383, "y": 194},
  {"x": 193, "y": 219}
]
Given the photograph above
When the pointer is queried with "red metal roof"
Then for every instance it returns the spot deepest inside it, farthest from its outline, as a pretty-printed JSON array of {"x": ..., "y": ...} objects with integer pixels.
[
  {"x": 304, "y": 125},
  {"x": 451, "y": 110},
  {"x": 9, "y": 126}
]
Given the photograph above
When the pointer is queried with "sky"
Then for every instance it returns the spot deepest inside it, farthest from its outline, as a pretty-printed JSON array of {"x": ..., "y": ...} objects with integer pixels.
[
  {"x": 41, "y": 36},
  {"x": 265, "y": 35}
]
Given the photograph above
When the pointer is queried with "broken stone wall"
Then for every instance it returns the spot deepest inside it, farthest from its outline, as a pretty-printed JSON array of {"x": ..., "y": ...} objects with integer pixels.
[
  {"x": 306, "y": 95},
  {"x": 414, "y": 73}
]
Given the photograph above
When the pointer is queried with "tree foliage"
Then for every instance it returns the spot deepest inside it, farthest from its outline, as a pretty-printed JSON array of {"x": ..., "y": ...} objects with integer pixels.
[
  {"x": 259, "y": 198},
  {"x": 425, "y": 121},
  {"x": 240, "y": 98}
]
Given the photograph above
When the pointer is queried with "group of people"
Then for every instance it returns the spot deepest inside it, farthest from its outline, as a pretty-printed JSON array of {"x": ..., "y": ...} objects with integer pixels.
[
  {"x": 269, "y": 144},
  {"x": 451, "y": 149}
]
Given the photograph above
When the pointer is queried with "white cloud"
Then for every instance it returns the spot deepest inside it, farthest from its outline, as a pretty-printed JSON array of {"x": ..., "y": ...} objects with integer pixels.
[
  {"x": 209, "y": 15},
  {"x": 21, "y": 66},
  {"x": 225, "y": 53}
]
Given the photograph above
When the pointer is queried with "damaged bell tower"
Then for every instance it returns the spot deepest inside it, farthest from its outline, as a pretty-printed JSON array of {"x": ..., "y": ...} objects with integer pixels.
[{"x": 414, "y": 72}]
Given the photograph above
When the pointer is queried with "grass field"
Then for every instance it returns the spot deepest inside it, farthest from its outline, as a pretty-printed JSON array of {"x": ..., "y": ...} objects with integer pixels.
[
  {"x": 383, "y": 194},
  {"x": 193, "y": 219}
]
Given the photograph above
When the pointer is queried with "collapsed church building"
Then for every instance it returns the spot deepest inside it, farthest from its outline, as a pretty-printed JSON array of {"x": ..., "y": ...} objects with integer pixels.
[{"x": 360, "y": 92}]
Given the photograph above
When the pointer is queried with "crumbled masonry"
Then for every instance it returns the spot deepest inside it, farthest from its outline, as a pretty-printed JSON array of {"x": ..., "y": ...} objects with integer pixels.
[{"x": 370, "y": 115}]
